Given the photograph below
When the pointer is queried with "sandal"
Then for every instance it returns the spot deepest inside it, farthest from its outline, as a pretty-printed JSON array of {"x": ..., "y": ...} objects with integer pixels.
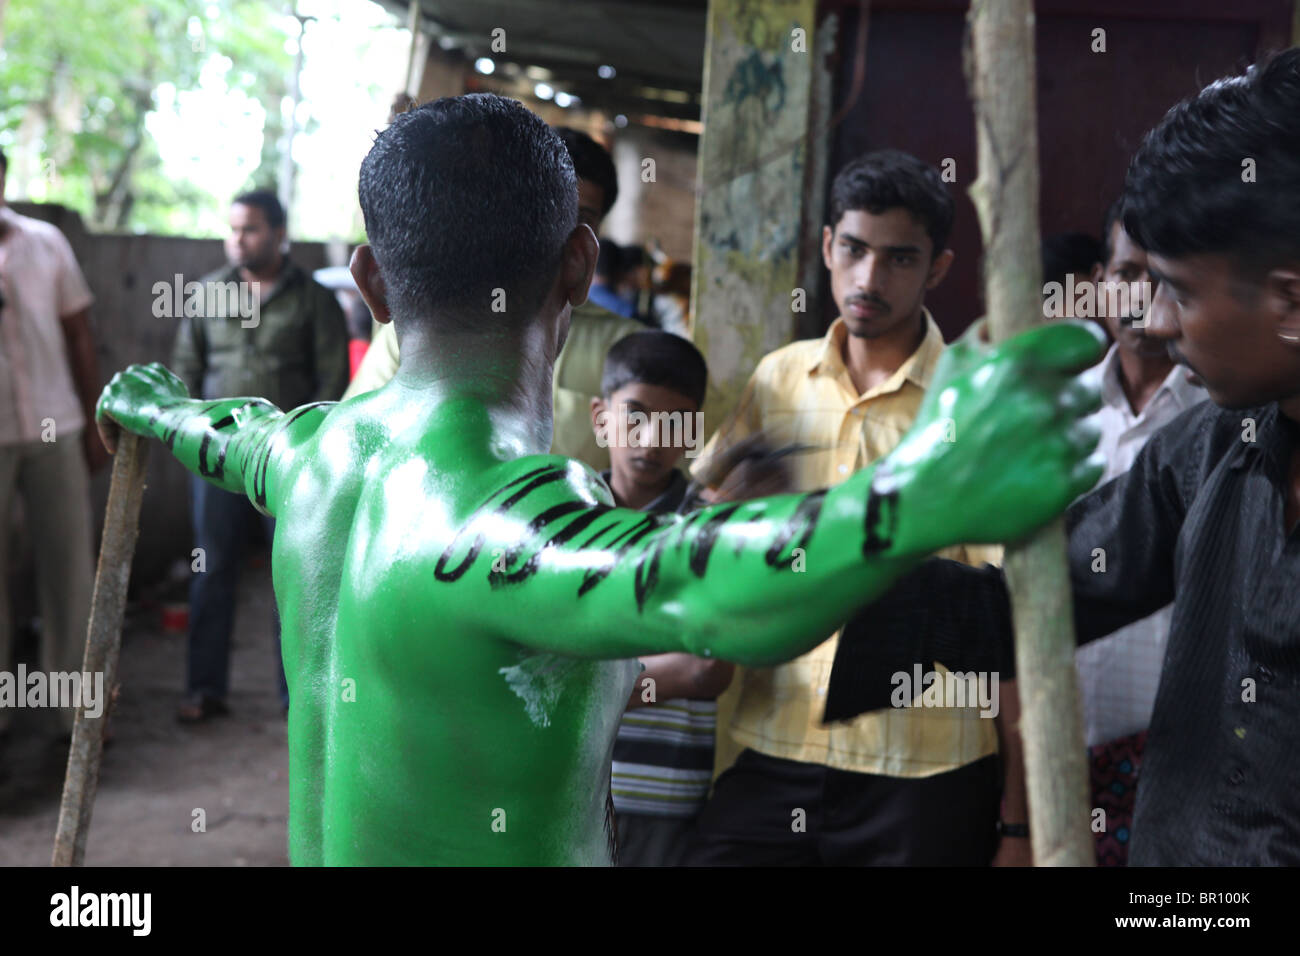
[{"x": 199, "y": 707}]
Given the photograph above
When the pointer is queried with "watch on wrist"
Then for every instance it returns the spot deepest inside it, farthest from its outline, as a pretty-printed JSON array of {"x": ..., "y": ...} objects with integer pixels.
[{"x": 1020, "y": 830}]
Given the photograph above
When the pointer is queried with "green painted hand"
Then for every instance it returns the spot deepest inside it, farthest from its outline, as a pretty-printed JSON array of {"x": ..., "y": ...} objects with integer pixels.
[
  {"x": 230, "y": 442},
  {"x": 132, "y": 396},
  {"x": 998, "y": 448}
]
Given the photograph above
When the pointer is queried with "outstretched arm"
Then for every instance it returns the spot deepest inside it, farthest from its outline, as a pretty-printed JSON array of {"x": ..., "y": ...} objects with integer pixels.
[
  {"x": 996, "y": 451},
  {"x": 238, "y": 444}
]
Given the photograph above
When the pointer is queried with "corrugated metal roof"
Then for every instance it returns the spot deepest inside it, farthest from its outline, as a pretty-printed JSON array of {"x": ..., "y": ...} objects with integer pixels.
[{"x": 655, "y": 46}]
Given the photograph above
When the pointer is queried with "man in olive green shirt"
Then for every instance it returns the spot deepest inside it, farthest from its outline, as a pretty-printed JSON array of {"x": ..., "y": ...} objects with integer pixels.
[
  {"x": 592, "y": 330},
  {"x": 267, "y": 329}
]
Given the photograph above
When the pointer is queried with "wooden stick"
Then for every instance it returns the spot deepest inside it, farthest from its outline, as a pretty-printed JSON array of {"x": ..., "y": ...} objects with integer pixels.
[
  {"x": 1001, "y": 74},
  {"x": 103, "y": 643}
]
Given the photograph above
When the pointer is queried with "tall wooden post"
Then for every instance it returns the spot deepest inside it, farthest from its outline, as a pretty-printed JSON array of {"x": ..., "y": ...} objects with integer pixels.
[
  {"x": 103, "y": 645},
  {"x": 1001, "y": 74}
]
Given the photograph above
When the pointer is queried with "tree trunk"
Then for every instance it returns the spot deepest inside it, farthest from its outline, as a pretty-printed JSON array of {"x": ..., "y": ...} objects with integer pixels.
[{"x": 1001, "y": 73}]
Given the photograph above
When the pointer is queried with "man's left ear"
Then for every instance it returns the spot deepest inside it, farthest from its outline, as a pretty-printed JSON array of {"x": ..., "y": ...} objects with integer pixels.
[
  {"x": 370, "y": 282},
  {"x": 580, "y": 252},
  {"x": 1282, "y": 287},
  {"x": 939, "y": 268}
]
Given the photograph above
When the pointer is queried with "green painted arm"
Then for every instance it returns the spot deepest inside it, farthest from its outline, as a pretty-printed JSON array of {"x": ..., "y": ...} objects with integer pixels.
[
  {"x": 547, "y": 563},
  {"x": 241, "y": 445},
  {"x": 996, "y": 451}
]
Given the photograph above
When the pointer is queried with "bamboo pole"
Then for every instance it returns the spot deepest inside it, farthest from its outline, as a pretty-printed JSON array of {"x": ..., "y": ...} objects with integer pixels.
[
  {"x": 1001, "y": 73},
  {"x": 413, "y": 25},
  {"x": 103, "y": 642}
]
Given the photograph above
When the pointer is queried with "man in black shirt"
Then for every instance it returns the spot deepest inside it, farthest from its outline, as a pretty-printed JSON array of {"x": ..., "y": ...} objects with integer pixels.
[{"x": 1207, "y": 517}]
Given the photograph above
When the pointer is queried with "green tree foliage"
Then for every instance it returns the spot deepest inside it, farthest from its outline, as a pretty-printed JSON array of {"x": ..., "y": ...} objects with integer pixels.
[{"x": 80, "y": 77}]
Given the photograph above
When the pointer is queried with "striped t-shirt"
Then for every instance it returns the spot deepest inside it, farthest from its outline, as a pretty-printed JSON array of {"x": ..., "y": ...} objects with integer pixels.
[
  {"x": 663, "y": 755},
  {"x": 663, "y": 758}
]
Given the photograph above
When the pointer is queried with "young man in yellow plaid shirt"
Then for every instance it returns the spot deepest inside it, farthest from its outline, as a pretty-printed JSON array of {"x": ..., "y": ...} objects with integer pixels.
[{"x": 913, "y": 785}]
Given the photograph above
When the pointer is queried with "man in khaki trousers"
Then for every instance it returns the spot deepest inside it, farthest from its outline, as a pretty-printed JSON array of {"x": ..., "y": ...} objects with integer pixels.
[{"x": 49, "y": 381}]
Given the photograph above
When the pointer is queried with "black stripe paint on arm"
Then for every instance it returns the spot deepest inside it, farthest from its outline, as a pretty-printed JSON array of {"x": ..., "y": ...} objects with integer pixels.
[
  {"x": 803, "y": 522},
  {"x": 531, "y": 481},
  {"x": 707, "y": 537},
  {"x": 881, "y": 522},
  {"x": 550, "y": 515}
]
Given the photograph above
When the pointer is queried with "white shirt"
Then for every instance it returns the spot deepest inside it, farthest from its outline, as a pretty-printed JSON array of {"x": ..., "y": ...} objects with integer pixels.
[
  {"x": 41, "y": 284},
  {"x": 1119, "y": 674}
]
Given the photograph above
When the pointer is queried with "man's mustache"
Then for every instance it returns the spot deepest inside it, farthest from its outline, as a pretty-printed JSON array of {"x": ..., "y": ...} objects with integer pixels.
[
  {"x": 869, "y": 300},
  {"x": 1177, "y": 358}
]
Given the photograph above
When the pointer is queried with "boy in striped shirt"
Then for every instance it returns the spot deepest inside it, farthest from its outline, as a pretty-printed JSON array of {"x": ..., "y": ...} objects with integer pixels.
[{"x": 653, "y": 386}]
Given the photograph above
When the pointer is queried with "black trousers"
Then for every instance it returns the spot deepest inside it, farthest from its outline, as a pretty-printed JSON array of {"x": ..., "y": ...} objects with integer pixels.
[{"x": 847, "y": 819}]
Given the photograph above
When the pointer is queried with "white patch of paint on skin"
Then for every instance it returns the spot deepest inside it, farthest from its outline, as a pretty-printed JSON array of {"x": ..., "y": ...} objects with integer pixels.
[{"x": 538, "y": 680}]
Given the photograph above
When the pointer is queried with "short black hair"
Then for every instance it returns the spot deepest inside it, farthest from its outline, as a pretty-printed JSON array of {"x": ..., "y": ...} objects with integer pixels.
[
  {"x": 1114, "y": 214},
  {"x": 631, "y": 257},
  {"x": 656, "y": 358},
  {"x": 1069, "y": 252},
  {"x": 462, "y": 196},
  {"x": 890, "y": 179},
  {"x": 266, "y": 201},
  {"x": 591, "y": 162},
  {"x": 609, "y": 261},
  {"x": 1187, "y": 192}
]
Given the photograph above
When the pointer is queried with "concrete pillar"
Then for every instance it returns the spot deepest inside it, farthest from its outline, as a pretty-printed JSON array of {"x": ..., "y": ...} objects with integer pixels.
[{"x": 761, "y": 185}]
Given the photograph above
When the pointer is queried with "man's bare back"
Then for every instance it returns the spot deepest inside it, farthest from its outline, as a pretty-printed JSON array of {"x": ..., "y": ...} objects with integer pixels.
[{"x": 377, "y": 659}]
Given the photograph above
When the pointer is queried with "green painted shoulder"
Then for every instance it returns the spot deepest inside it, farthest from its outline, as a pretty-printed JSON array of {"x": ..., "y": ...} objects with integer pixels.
[{"x": 571, "y": 476}]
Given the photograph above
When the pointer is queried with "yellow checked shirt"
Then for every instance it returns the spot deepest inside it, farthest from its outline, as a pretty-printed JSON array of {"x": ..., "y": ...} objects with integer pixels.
[
  {"x": 803, "y": 394},
  {"x": 379, "y": 365}
]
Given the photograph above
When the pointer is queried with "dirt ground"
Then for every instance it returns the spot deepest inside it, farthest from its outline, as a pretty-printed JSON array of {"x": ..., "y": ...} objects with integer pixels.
[{"x": 158, "y": 772}]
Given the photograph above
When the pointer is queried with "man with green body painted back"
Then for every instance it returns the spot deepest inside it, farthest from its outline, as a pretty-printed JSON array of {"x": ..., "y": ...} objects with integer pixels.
[{"x": 459, "y": 607}]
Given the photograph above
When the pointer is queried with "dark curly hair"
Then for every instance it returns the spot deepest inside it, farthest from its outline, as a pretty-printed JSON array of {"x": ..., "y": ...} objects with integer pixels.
[
  {"x": 890, "y": 179},
  {"x": 591, "y": 162},
  {"x": 1187, "y": 191}
]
